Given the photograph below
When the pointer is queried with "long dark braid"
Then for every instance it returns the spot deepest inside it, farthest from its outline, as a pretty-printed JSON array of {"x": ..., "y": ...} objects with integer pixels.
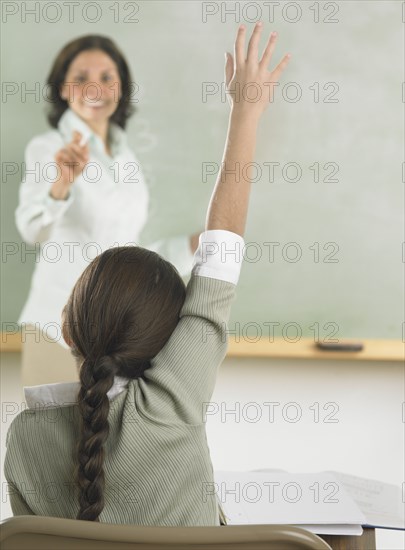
[{"x": 96, "y": 380}]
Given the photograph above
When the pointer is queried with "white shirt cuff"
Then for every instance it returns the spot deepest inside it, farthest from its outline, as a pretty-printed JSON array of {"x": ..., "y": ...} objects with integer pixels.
[
  {"x": 219, "y": 255},
  {"x": 55, "y": 208}
]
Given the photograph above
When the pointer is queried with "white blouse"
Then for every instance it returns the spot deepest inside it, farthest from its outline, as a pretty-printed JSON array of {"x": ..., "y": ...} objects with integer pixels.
[{"x": 107, "y": 206}]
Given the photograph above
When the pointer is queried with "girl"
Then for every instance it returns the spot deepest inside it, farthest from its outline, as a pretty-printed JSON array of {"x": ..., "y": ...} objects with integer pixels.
[
  {"x": 83, "y": 193},
  {"x": 128, "y": 443}
]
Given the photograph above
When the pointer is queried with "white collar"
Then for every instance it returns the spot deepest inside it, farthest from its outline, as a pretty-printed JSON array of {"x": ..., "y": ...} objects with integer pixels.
[
  {"x": 70, "y": 121},
  {"x": 64, "y": 394}
]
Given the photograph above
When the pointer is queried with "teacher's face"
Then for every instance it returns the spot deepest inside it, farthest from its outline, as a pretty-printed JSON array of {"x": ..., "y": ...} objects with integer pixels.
[{"x": 92, "y": 86}]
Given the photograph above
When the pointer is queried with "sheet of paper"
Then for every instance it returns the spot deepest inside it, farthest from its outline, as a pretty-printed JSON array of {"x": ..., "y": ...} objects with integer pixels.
[
  {"x": 264, "y": 497},
  {"x": 380, "y": 502},
  {"x": 354, "y": 530}
]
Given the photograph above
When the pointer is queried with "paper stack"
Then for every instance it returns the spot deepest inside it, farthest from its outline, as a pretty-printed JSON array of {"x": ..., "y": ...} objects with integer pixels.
[
  {"x": 380, "y": 502},
  {"x": 316, "y": 502}
]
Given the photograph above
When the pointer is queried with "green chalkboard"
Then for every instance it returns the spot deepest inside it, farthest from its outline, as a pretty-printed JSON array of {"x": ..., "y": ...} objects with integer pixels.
[{"x": 324, "y": 236}]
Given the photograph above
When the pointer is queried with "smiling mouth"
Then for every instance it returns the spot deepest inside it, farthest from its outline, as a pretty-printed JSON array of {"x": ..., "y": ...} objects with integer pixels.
[{"x": 94, "y": 104}]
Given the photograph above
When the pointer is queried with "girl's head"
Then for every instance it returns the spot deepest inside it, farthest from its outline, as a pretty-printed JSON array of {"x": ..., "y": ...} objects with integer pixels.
[
  {"x": 91, "y": 76},
  {"x": 121, "y": 312}
]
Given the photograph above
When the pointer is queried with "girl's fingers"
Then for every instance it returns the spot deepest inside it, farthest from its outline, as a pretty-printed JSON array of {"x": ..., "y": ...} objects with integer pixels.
[
  {"x": 229, "y": 69},
  {"x": 253, "y": 48},
  {"x": 275, "y": 75},
  {"x": 268, "y": 52},
  {"x": 239, "y": 49}
]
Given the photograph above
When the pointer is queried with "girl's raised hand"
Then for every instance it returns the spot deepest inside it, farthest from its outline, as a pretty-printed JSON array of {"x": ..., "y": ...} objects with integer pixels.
[{"x": 249, "y": 83}]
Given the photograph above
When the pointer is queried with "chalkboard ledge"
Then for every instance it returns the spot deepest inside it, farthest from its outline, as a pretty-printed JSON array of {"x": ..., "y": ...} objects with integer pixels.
[{"x": 305, "y": 348}]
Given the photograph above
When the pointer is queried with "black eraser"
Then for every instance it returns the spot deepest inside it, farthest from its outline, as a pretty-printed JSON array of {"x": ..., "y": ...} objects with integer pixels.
[{"x": 340, "y": 346}]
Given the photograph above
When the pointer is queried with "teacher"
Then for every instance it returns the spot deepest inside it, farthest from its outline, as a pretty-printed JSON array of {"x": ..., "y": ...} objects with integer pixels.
[{"x": 83, "y": 192}]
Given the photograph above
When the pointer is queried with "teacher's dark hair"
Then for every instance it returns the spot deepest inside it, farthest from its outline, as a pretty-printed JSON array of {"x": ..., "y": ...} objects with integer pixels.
[
  {"x": 121, "y": 312},
  {"x": 57, "y": 105}
]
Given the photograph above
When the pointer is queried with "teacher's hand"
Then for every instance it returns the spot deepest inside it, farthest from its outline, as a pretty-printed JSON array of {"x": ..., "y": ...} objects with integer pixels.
[{"x": 71, "y": 160}]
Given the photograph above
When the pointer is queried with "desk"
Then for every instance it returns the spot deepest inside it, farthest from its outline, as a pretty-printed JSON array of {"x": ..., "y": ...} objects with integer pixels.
[{"x": 347, "y": 542}]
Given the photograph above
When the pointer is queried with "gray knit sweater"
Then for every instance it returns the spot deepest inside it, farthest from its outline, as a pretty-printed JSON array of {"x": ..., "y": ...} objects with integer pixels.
[{"x": 158, "y": 469}]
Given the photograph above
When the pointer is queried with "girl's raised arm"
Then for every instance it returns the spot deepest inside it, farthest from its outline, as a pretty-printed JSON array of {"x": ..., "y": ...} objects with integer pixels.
[
  {"x": 245, "y": 77},
  {"x": 180, "y": 383}
]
